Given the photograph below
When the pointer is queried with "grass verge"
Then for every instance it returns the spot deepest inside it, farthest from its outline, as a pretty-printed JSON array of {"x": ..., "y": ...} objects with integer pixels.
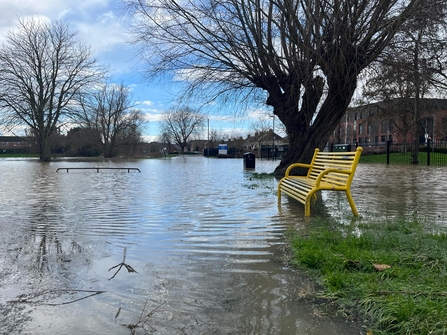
[
  {"x": 393, "y": 274},
  {"x": 405, "y": 158}
]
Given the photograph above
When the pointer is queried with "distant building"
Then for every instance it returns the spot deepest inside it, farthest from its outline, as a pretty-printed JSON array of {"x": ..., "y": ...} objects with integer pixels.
[
  {"x": 12, "y": 143},
  {"x": 374, "y": 124}
]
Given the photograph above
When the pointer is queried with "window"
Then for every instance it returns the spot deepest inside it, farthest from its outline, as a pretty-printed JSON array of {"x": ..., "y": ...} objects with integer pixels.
[
  {"x": 385, "y": 126},
  {"x": 444, "y": 128},
  {"x": 360, "y": 129}
]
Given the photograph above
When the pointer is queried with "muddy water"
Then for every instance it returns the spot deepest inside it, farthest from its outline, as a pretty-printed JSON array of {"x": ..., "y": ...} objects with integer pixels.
[{"x": 204, "y": 237}]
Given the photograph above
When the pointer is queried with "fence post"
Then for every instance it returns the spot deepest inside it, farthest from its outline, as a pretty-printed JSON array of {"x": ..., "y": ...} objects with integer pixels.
[
  {"x": 428, "y": 151},
  {"x": 388, "y": 145}
]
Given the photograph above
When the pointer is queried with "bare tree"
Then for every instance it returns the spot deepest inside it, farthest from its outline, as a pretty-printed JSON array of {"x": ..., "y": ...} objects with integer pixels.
[
  {"x": 110, "y": 111},
  {"x": 166, "y": 139},
  {"x": 43, "y": 67},
  {"x": 180, "y": 124},
  {"x": 413, "y": 66},
  {"x": 262, "y": 127},
  {"x": 305, "y": 55}
]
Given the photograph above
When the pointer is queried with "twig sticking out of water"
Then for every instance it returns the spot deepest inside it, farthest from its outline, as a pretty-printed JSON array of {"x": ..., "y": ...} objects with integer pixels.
[
  {"x": 142, "y": 321},
  {"x": 28, "y": 299},
  {"x": 127, "y": 266}
]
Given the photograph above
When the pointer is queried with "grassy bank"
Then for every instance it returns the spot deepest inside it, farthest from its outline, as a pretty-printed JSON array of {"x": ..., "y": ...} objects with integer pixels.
[
  {"x": 393, "y": 275},
  {"x": 405, "y": 158}
]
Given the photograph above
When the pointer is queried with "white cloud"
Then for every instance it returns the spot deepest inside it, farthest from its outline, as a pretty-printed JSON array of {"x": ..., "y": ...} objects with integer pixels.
[
  {"x": 104, "y": 34},
  {"x": 97, "y": 23},
  {"x": 10, "y": 10},
  {"x": 152, "y": 115},
  {"x": 146, "y": 103}
]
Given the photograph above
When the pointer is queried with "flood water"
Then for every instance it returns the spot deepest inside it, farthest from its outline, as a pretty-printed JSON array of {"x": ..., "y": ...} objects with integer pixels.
[{"x": 204, "y": 237}]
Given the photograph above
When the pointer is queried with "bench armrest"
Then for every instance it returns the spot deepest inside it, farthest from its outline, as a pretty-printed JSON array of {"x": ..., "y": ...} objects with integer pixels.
[
  {"x": 297, "y": 165},
  {"x": 327, "y": 171}
]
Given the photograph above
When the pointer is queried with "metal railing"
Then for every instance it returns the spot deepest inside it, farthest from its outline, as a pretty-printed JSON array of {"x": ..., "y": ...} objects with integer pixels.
[
  {"x": 99, "y": 168},
  {"x": 429, "y": 153}
]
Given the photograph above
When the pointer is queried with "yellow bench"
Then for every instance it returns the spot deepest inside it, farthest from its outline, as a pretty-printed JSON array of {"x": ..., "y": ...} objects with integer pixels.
[{"x": 332, "y": 171}]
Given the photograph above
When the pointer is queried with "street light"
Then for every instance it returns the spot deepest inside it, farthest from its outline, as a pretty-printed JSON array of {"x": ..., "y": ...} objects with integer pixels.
[
  {"x": 208, "y": 142},
  {"x": 274, "y": 151}
]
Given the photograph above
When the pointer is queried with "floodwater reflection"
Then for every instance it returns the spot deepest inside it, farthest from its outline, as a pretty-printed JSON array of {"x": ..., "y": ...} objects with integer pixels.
[
  {"x": 384, "y": 192},
  {"x": 204, "y": 237}
]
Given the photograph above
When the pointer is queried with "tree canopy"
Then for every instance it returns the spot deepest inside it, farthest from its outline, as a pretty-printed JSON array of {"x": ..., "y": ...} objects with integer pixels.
[{"x": 304, "y": 55}]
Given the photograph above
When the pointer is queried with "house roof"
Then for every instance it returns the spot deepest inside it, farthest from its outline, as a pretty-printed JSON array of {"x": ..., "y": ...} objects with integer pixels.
[{"x": 11, "y": 139}]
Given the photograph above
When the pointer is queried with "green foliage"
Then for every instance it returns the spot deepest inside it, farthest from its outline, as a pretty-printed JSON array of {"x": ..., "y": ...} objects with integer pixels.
[{"x": 394, "y": 272}]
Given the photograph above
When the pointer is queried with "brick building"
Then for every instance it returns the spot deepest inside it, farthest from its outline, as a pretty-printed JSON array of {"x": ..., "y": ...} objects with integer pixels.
[
  {"x": 373, "y": 124},
  {"x": 12, "y": 143}
]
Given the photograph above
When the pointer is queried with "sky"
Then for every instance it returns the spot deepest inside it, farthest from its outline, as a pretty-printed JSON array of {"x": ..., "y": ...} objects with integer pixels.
[{"x": 101, "y": 25}]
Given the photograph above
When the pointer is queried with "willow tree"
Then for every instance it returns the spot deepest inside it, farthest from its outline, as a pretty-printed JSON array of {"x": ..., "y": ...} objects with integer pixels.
[
  {"x": 43, "y": 67},
  {"x": 305, "y": 55}
]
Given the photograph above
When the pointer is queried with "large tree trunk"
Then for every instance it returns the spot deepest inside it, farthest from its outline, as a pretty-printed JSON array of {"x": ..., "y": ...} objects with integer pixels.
[
  {"x": 306, "y": 134},
  {"x": 44, "y": 149}
]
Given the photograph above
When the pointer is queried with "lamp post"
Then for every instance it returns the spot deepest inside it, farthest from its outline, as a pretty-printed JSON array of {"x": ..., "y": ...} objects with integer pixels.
[
  {"x": 208, "y": 142},
  {"x": 273, "y": 136}
]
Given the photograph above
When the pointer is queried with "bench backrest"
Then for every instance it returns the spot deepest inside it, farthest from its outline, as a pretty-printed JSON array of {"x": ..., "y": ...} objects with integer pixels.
[{"x": 346, "y": 161}]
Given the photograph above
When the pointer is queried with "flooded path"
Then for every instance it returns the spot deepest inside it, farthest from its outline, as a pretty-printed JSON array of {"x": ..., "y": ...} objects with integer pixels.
[{"x": 204, "y": 237}]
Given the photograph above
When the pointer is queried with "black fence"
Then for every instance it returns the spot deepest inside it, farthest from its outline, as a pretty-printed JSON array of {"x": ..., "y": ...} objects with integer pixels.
[
  {"x": 273, "y": 153},
  {"x": 428, "y": 153}
]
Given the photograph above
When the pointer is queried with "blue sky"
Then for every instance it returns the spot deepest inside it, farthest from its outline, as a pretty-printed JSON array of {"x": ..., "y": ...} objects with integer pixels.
[{"x": 101, "y": 25}]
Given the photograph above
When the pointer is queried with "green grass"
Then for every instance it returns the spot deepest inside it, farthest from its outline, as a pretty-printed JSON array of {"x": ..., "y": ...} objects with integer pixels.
[
  {"x": 405, "y": 158},
  {"x": 410, "y": 297},
  {"x": 262, "y": 175}
]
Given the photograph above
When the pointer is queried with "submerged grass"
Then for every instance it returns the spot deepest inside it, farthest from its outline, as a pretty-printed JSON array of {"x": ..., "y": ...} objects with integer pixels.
[{"x": 393, "y": 274}]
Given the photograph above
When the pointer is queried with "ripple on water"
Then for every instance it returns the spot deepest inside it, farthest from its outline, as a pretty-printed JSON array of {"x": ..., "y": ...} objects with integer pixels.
[{"x": 203, "y": 238}]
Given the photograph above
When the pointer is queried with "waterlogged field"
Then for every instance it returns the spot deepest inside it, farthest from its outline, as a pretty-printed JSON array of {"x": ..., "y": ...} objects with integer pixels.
[
  {"x": 188, "y": 246},
  {"x": 202, "y": 239}
]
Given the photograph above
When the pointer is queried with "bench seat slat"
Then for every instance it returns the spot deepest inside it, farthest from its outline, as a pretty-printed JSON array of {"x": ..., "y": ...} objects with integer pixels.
[{"x": 327, "y": 171}]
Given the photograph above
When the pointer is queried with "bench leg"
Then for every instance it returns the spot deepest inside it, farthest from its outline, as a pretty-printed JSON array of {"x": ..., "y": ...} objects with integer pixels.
[
  {"x": 351, "y": 203},
  {"x": 307, "y": 208},
  {"x": 310, "y": 197}
]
